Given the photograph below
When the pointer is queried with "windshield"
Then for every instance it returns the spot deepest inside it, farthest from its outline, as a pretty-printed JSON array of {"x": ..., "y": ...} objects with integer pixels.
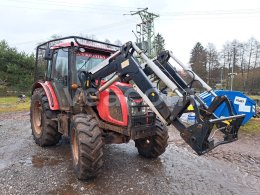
[{"x": 86, "y": 61}]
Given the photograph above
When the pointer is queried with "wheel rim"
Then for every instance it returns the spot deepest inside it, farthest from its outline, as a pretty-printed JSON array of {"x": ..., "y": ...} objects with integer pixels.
[
  {"x": 37, "y": 117},
  {"x": 75, "y": 149},
  {"x": 146, "y": 142}
]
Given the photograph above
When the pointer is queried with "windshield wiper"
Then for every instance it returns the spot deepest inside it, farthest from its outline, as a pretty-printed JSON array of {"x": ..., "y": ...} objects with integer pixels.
[{"x": 86, "y": 61}]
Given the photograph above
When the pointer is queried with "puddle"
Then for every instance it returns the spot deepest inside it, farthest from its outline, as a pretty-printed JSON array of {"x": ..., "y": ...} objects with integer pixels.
[{"x": 40, "y": 161}]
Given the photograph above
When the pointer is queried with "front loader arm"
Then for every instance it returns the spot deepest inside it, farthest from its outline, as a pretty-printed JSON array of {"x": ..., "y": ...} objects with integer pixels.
[{"x": 125, "y": 66}]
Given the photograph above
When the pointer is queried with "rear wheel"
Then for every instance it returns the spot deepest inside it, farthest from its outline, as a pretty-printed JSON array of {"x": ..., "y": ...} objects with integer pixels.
[
  {"x": 154, "y": 146},
  {"x": 86, "y": 146},
  {"x": 43, "y": 120}
]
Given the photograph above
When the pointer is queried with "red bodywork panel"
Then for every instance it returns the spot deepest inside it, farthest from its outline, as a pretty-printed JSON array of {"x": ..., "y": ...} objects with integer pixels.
[
  {"x": 103, "y": 104},
  {"x": 49, "y": 91}
]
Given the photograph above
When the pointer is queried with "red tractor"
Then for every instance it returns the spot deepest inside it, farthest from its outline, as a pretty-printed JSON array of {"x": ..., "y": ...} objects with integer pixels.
[{"x": 98, "y": 93}]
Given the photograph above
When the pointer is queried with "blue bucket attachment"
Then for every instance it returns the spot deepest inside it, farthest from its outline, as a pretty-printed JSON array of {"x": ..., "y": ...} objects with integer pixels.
[{"x": 240, "y": 103}]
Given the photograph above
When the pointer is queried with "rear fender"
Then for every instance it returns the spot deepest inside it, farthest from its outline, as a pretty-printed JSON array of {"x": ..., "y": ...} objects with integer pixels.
[{"x": 49, "y": 91}]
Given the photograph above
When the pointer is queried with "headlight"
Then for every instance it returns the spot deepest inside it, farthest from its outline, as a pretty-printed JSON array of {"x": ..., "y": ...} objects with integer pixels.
[{"x": 137, "y": 106}]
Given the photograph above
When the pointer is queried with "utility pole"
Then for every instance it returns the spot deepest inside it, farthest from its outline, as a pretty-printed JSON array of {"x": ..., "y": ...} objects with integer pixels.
[
  {"x": 221, "y": 77},
  {"x": 232, "y": 75},
  {"x": 145, "y": 30}
]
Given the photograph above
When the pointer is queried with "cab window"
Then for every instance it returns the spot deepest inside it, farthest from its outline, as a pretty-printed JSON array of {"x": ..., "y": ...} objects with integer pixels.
[{"x": 61, "y": 64}]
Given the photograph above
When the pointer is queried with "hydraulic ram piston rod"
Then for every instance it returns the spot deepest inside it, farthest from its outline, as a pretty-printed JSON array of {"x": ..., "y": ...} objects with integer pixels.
[
  {"x": 108, "y": 83},
  {"x": 157, "y": 71},
  {"x": 193, "y": 74}
]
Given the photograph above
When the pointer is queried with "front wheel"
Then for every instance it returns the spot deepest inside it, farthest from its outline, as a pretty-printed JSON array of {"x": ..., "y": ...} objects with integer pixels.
[
  {"x": 86, "y": 146},
  {"x": 154, "y": 146},
  {"x": 43, "y": 120}
]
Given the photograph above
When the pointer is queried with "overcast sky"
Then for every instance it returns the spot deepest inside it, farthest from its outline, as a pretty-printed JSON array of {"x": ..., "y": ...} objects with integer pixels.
[{"x": 182, "y": 22}]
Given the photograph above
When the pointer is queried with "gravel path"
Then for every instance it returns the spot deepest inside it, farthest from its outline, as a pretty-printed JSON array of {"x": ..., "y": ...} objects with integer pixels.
[{"x": 26, "y": 168}]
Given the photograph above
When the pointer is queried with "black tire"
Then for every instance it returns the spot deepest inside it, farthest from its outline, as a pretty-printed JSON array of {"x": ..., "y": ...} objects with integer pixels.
[
  {"x": 154, "y": 146},
  {"x": 43, "y": 120},
  {"x": 86, "y": 146}
]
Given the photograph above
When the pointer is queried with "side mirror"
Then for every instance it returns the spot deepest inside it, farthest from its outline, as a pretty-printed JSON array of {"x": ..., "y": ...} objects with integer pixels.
[{"x": 48, "y": 54}]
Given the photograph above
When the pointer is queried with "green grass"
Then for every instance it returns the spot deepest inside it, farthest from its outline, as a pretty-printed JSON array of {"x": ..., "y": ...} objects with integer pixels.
[
  {"x": 254, "y": 97},
  {"x": 10, "y": 104},
  {"x": 252, "y": 127}
]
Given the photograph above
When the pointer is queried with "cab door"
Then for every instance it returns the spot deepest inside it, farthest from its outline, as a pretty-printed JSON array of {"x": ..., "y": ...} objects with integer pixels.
[{"x": 59, "y": 77}]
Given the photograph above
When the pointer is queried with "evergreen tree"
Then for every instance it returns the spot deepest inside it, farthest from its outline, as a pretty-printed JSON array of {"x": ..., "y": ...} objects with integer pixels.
[
  {"x": 16, "y": 69},
  {"x": 158, "y": 44},
  {"x": 198, "y": 60}
]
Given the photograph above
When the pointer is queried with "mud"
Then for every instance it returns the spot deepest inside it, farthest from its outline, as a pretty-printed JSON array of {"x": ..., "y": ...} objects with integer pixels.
[{"x": 26, "y": 168}]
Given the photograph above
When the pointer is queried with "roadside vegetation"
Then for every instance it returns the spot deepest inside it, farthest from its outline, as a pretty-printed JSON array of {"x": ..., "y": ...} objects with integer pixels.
[
  {"x": 252, "y": 127},
  {"x": 255, "y": 97},
  {"x": 12, "y": 104},
  {"x": 16, "y": 69}
]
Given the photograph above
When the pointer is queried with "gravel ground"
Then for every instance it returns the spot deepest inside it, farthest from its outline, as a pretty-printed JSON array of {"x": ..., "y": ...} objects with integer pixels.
[{"x": 26, "y": 168}]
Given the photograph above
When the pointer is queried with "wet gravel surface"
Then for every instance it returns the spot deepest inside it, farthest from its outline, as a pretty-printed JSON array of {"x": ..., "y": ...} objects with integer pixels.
[{"x": 26, "y": 168}]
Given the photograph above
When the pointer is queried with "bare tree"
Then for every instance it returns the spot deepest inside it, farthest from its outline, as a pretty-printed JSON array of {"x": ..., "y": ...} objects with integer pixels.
[
  {"x": 250, "y": 49},
  {"x": 92, "y": 36},
  {"x": 212, "y": 64},
  {"x": 242, "y": 52},
  {"x": 118, "y": 42},
  {"x": 256, "y": 60},
  {"x": 227, "y": 54}
]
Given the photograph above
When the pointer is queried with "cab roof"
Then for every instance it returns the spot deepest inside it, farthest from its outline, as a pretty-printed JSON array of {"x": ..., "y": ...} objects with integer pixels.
[{"x": 77, "y": 41}]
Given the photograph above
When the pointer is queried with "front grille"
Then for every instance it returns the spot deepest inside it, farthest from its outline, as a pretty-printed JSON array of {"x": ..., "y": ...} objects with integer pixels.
[{"x": 142, "y": 120}]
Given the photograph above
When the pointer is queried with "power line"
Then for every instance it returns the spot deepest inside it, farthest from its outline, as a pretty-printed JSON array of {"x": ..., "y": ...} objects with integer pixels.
[
  {"x": 223, "y": 18},
  {"x": 112, "y": 25},
  {"x": 70, "y": 5},
  {"x": 111, "y": 9},
  {"x": 93, "y": 30},
  {"x": 212, "y": 12},
  {"x": 105, "y": 3},
  {"x": 65, "y": 10}
]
